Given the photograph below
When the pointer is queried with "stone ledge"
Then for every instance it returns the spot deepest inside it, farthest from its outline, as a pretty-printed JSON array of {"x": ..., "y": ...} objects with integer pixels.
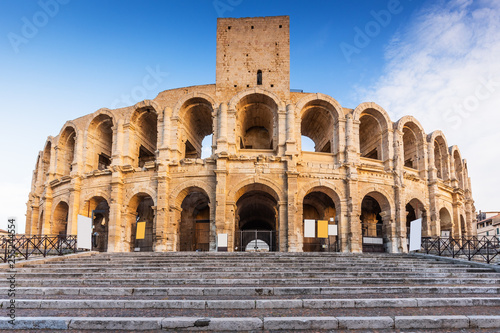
[{"x": 431, "y": 322}]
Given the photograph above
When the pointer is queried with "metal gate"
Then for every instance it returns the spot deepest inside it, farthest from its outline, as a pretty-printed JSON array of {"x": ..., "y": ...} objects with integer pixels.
[{"x": 257, "y": 240}]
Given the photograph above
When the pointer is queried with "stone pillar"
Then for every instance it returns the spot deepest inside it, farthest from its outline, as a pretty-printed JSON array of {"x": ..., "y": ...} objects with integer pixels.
[
  {"x": 342, "y": 225},
  {"x": 281, "y": 129},
  {"x": 291, "y": 147},
  {"x": 162, "y": 212},
  {"x": 74, "y": 206},
  {"x": 389, "y": 231},
  {"x": 222, "y": 131},
  {"x": 78, "y": 165},
  {"x": 173, "y": 228},
  {"x": 221, "y": 225},
  {"x": 231, "y": 131},
  {"x": 282, "y": 226},
  {"x": 433, "y": 217},
  {"x": 340, "y": 140},
  {"x": 291, "y": 240},
  {"x": 116, "y": 221},
  {"x": 230, "y": 227},
  {"x": 128, "y": 145},
  {"x": 355, "y": 236},
  {"x": 118, "y": 135}
]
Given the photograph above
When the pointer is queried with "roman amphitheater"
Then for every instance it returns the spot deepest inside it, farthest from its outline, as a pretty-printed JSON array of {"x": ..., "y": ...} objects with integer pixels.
[{"x": 367, "y": 175}]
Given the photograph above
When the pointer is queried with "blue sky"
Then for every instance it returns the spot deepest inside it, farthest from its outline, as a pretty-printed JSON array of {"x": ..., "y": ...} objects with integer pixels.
[{"x": 435, "y": 60}]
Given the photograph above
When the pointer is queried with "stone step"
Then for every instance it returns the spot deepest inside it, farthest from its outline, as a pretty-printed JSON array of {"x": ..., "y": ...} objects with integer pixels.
[
  {"x": 252, "y": 304},
  {"x": 254, "y": 291},
  {"x": 253, "y": 282},
  {"x": 235, "y": 275},
  {"x": 252, "y": 323}
]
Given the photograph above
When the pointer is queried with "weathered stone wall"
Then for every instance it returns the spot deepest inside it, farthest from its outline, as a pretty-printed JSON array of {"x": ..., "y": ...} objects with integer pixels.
[{"x": 147, "y": 156}]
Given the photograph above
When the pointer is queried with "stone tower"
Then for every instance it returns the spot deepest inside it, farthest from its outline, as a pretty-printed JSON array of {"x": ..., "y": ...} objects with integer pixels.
[{"x": 253, "y": 52}]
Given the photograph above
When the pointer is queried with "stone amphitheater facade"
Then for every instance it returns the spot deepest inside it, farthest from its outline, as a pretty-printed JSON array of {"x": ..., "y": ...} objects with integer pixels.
[{"x": 368, "y": 175}]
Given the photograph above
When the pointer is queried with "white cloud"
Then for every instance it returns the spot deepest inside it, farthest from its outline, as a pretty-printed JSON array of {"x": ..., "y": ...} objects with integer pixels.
[{"x": 444, "y": 69}]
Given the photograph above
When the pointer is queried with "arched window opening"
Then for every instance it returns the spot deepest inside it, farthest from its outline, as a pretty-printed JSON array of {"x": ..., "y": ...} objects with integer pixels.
[
  {"x": 457, "y": 161},
  {"x": 437, "y": 160},
  {"x": 256, "y": 122},
  {"x": 259, "y": 77},
  {"x": 66, "y": 156},
  {"x": 100, "y": 147},
  {"x": 411, "y": 147},
  {"x": 196, "y": 115},
  {"x": 463, "y": 227},
  {"x": 445, "y": 222},
  {"x": 370, "y": 137},
  {"x": 415, "y": 210},
  {"x": 146, "y": 133},
  {"x": 317, "y": 124},
  {"x": 441, "y": 158},
  {"x": 60, "y": 219},
  {"x": 97, "y": 208},
  {"x": 40, "y": 224},
  {"x": 374, "y": 209},
  {"x": 46, "y": 162},
  {"x": 317, "y": 206}
]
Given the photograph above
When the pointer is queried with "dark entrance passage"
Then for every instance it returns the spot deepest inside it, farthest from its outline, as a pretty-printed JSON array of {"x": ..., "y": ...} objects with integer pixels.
[
  {"x": 144, "y": 213},
  {"x": 256, "y": 222},
  {"x": 372, "y": 225},
  {"x": 194, "y": 229},
  {"x": 319, "y": 206},
  {"x": 100, "y": 221}
]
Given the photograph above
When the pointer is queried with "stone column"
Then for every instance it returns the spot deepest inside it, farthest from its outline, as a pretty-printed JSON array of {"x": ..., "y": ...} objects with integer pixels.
[
  {"x": 291, "y": 240},
  {"x": 281, "y": 128},
  {"x": 128, "y": 145},
  {"x": 118, "y": 134},
  {"x": 231, "y": 131},
  {"x": 230, "y": 227},
  {"x": 162, "y": 212},
  {"x": 355, "y": 236},
  {"x": 222, "y": 131},
  {"x": 116, "y": 223},
  {"x": 220, "y": 223},
  {"x": 291, "y": 147},
  {"x": 74, "y": 206},
  {"x": 282, "y": 226}
]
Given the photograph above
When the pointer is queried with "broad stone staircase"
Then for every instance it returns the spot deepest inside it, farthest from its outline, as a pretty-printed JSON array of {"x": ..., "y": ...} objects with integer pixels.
[{"x": 253, "y": 292}]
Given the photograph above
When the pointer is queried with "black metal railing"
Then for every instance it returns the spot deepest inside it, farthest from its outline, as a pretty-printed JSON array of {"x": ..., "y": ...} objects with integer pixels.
[
  {"x": 485, "y": 248},
  {"x": 23, "y": 246}
]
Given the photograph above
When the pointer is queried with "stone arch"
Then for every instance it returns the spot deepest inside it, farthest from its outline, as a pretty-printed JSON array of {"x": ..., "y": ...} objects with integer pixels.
[
  {"x": 412, "y": 147},
  {"x": 377, "y": 224},
  {"x": 99, "y": 141},
  {"x": 46, "y": 159},
  {"x": 143, "y": 133},
  {"x": 66, "y": 145},
  {"x": 176, "y": 111},
  {"x": 258, "y": 91},
  {"x": 440, "y": 154},
  {"x": 256, "y": 215},
  {"x": 196, "y": 117},
  {"x": 266, "y": 185},
  {"x": 60, "y": 218},
  {"x": 194, "y": 216},
  {"x": 328, "y": 188},
  {"x": 445, "y": 221},
  {"x": 143, "y": 191},
  {"x": 374, "y": 127},
  {"x": 319, "y": 118},
  {"x": 415, "y": 209},
  {"x": 178, "y": 194},
  {"x": 457, "y": 166},
  {"x": 139, "y": 209},
  {"x": 319, "y": 202}
]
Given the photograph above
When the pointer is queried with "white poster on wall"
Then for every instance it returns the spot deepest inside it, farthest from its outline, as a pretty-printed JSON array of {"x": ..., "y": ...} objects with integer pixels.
[
  {"x": 222, "y": 240},
  {"x": 84, "y": 233},
  {"x": 310, "y": 228},
  {"x": 332, "y": 230},
  {"x": 415, "y": 235}
]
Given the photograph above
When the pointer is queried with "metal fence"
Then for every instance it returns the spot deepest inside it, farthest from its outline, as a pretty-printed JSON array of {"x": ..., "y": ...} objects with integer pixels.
[
  {"x": 23, "y": 246},
  {"x": 484, "y": 248}
]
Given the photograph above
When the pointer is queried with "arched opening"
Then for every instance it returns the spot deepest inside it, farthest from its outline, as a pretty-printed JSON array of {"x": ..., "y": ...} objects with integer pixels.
[
  {"x": 256, "y": 122},
  {"x": 194, "y": 228},
  {"x": 60, "y": 219},
  {"x": 317, "y": 123},
  {"x": 415, "y": 210},
  {"x": 259, "y": 77},
  {"x": 141, "y": 219},
  {"x": 445, "y": 222},
  {"x": 98, "y": 209},
  {"x": 375, "y": 222},
  {"x": 46, "y": 162},
  {"x": 413, "y": 146},
  {"x": 100, "y": 143},
  {"x": 146, "y": 136},
  {"x": 196, "y": 115},
  {"x": 457, "y": 161},
  {"x": 440, "y": 158},
  {"x": 256, "y": 219},
  {"x": 370, "y": 135},
  {"x": 66, "y": 152},
  {"x": 318, "y": 206}
]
